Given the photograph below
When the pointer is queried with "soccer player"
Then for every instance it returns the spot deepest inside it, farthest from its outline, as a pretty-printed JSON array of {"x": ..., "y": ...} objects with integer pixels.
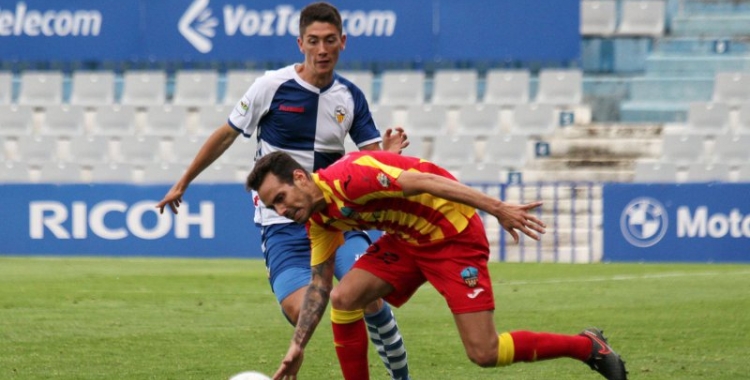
[
  {"x": 306, "y": 109},
  {"x": 432, "y": 233}
]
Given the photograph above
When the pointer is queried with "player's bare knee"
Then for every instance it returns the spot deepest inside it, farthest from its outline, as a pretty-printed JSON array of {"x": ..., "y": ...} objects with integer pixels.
[
  {"x": 482, "y": 358},
  {"x": 342, "y": 300}
]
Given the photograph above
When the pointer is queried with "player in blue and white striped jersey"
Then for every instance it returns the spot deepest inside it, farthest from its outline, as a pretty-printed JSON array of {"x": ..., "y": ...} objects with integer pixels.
[{"x": 306, "y": 110}]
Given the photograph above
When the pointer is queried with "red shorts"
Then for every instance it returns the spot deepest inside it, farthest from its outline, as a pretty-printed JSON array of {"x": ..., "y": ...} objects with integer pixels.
[{"x": 457, "y": 268}]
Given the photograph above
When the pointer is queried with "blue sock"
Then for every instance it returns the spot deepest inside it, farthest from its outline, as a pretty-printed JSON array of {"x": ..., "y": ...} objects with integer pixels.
[{"x": 385, "y": 336}]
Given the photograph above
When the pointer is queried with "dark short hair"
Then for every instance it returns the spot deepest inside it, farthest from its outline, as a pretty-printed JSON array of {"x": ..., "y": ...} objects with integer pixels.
[
  {"x": 280, "y": 164},
  {"x": 321, "y": 12}
]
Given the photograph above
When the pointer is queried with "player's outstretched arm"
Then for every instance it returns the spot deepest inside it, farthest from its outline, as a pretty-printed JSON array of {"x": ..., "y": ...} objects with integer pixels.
[
  {"x": 511, "y": 216},
  {"x": 212, "y": 149},
  {"x": 313, "y": 307}
]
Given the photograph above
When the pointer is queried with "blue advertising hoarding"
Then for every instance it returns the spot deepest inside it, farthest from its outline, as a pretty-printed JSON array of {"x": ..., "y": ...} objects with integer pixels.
[
  {"x": 677, "y": 222},
  {"x": 121, "y": 220},
  {"x": 266, "y": 30}
]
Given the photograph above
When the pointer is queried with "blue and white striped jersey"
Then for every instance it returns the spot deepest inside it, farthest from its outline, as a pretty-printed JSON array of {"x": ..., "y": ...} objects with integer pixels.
[{"x": 288, "y": 114}]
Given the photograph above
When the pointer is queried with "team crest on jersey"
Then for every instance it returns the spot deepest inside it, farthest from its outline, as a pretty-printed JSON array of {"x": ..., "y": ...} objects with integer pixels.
[
  {"x": 470, "y": 276},
  {"x": 383, "y": 180},
  {"x": 340, "y": 114},
  {"x": 243, "y": 107}
]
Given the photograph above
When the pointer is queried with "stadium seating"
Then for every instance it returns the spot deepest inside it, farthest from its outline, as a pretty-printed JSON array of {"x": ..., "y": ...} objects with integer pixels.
[
  {"x": 160, "y": 173},
  {"x": 219, "y": 173},
  {"x": 509, "y": 151},
  {"x": 185, "y": 148},
  {"x": 533, "y": 119},
  {"x": 416, "y": 148},
  {"x": 211, "y": 117},
  {"x": 242, "y": 153},
  {"x": 480, "y": 120},
  {"x": 138, "y": 150},
  {"x": 41, "y": 88},
  {"x": 598, "y": 17},
  {"x": 453, "y": 151},
  {"x": 560, "y": 87},
  {"x": 383, "y": 116},
  {"x": 63, "y": 120},
  {"x": 507, "y": 87},
  {"x": 36, "y": 149},
  {"x": 642, "y": 18},
  {"x": 111, "y": 172},
  {"x": 732, "y": 88},
  {"x": 362, "y": 79},
  {"x": 732, "y": 148},
  {"x": 657, "y": 172},
  {"x": 93, "y": 88},
  {"x": 743, "y": 118},
  {"x": 59, "y": 172},
  {"x": 115, "y": 120},
  {"x": 237, "y": 83},
  {"x": 708, "y": 118},
  {"x": 402, "y": 88},
  {"x": 426, "y": 120},
  {"x": 743, "y": 173},
  {"x": 454, "y": 87},
  {"x": 166, "y": 121},
  {"x": 16, "y": 120},
  {"x": 144, "y": 88},
  {"x": 89, "y": 150},
  {"x": 6, "y": 87},
  {"x": 14, "y": 172},
  {"x": 682, "y": 148},
  {"x": 483, "y": 172},
  {"x": 707, "y": 172},
  {"x": 195, "y": 87}
]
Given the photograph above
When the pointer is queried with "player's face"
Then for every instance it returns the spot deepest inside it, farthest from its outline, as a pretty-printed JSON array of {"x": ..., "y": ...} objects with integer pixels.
[
  {"x": 321, "y": 43},
  {"x": 290, "y": 201}
]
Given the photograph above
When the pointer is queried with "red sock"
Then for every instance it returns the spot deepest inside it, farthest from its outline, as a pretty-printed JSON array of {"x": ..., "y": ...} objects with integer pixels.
[
  {"x": 351, "y": 348},
  {"x": 531, "y": 346}
]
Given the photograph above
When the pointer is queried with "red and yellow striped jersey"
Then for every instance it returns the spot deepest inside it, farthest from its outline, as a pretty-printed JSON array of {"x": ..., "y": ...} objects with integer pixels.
[{"x": 362, "y": 193}]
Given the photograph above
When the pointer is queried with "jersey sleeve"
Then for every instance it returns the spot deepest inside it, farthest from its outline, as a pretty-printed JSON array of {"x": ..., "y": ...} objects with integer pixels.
[
  {"x": 363, "y": 131},
  {"x": 323, "y": 242},
  {"x": 253, "y": 105}
]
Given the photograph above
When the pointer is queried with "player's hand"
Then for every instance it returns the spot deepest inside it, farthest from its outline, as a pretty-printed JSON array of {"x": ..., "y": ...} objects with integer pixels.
[
  {"x": 173, "y": 198},
  {"x": 291, "y": 363},
  {"x": 395, "y": 140},
  {"x": 518, "y": 217}
]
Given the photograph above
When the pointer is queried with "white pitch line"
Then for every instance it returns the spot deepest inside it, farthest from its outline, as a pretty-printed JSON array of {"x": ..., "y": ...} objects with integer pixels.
[{"x": 625, "y": 277}]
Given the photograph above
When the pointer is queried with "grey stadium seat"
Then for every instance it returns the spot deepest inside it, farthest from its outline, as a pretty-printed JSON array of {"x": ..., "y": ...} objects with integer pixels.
[
  {"x": 426, "y": 120},
  {"x": 237, "y": 83},
  {"x": 402, "y": 88},
  {"x": 658, "y": 172},
  {"x": 195, "y": 87},
  {"x": 454, "y": 87},
  {"x": 732, "y": 88},
  {"x": 93, "y": 88},
  {"x": 560, "y": 87},
  {"x": 507, "y": 87},
  {"x": 707, "y": 172},
  {"x": 16, "y": 120},
  {"x": 598, "y": 17},
  {"x": 534, "y": 119},
  {"x": 708, "y": 118},
  {"x": 144, "y": 88},
  {"x": 362, "y": 79},
  {"x": 40, "y": 88},
  {"x": 642, "y": 18},
  {"x": 6, "y": 87}
]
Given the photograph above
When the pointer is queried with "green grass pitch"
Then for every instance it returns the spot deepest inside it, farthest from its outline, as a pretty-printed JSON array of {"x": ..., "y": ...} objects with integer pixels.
[{"x": 144, "y": 318}]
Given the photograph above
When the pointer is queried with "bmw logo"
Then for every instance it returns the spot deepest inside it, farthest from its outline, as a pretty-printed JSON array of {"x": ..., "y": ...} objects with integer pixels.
[{"x": 644, "y": 222}]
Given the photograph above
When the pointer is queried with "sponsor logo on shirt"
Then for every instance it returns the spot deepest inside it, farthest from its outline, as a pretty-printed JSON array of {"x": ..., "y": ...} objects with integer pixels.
[{"x": 295, "y": 109}]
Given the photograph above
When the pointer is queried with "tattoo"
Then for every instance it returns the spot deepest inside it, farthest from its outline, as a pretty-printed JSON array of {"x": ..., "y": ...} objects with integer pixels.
[{"x": 316, "y": 300}]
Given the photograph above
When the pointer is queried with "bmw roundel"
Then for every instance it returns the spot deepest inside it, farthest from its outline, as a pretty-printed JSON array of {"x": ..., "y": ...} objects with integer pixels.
[{"x": 644, "y": 222}]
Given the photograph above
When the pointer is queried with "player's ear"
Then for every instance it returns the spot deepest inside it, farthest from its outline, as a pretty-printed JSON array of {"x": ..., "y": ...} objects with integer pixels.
[
  {"x": 299, "y": 176},
  {"x": 343, "y": 41},
  {"x": 299, "y": 44}
]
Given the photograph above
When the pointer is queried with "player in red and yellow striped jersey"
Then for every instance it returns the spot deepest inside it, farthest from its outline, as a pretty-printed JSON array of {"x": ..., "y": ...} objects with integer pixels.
[{"x": 432, "y": 233}]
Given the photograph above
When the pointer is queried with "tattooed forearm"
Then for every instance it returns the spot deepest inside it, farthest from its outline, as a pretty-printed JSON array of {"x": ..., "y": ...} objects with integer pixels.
[{"x": 316, "y": 300}]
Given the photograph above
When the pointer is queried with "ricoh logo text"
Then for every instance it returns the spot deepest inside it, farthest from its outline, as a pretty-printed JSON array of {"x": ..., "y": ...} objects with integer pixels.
[
  {"x": 76, "y": 221},
  {"x": 198, "y": 24},
  {"x": 22, "y": 21},
  {"x": 718, "y": 225}
]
